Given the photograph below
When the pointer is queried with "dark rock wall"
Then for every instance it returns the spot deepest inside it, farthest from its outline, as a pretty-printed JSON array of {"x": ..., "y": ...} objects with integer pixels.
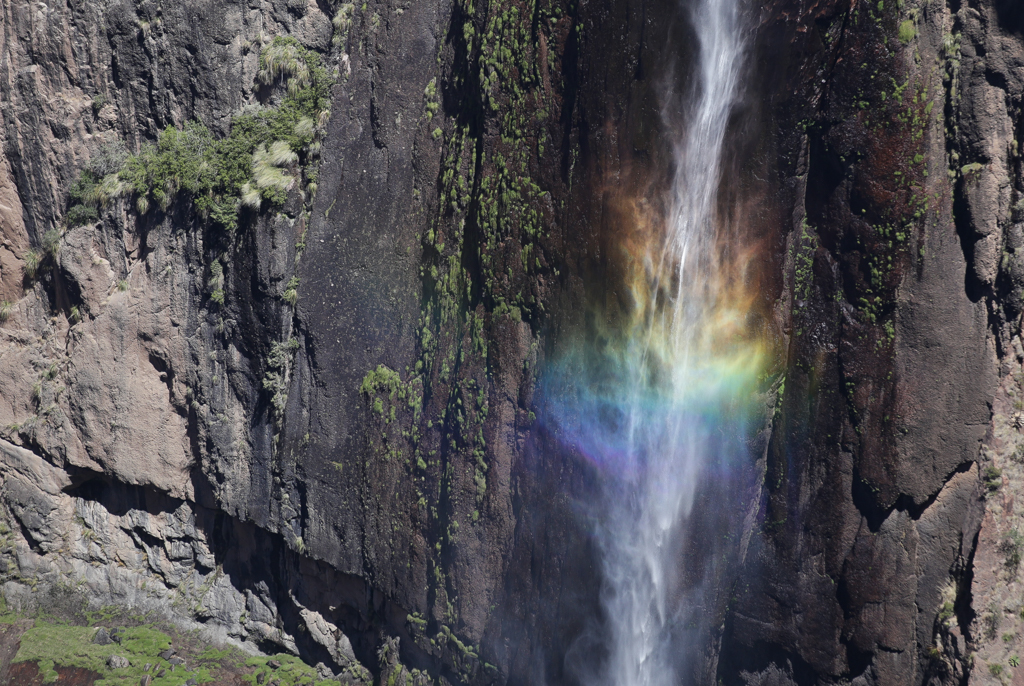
[{"x": 863, "y": 565}]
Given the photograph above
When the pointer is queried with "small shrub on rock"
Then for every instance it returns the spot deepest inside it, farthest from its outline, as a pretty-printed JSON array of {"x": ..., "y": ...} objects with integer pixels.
[{"x": 1012, "y": 546}]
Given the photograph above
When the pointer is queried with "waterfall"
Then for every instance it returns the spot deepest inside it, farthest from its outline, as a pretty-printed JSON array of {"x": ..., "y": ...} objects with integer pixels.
[{"x": 683, "y": 369}]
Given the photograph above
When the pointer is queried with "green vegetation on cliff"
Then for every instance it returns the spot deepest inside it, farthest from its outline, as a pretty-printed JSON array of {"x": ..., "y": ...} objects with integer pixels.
[
  {"x": 52, "y": 644},
  {"x": 253, "y": 165},
  {"x": 484, "y": 258}
]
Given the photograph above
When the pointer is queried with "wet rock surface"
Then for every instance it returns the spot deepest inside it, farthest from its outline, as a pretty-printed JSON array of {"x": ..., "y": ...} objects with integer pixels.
[{"x": 866, "y": 566}]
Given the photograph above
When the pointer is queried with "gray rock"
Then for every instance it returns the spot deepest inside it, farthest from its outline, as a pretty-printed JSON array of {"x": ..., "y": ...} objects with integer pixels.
[
  {"x": 145, "y": 680},
  {"x": 261, "y": 677},
  {"x": 176, "y": 661},
  {"x": 274, "y": 663},
  {"x": 161, "y": 673},
  {"x": 147, "y": 667},
  {"x": 101, "y": 637},
  {"x": 166, "y": 654},
  {"x": 117, "y": 662},
  {"x": 191, "y": 682}
]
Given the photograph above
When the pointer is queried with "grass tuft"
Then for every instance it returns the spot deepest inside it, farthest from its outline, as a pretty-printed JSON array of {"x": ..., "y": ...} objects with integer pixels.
[
  {"x": 51, "y": 241},
  {"x": 304, "y": 127},
  {"x": 223, "y": 176},
  {"x": 907, "y": 31},
  {"x": 342, "y": 22},
  {"x": 285, "y": 59},
  {"x": 32, "y": 262},
  {"x": 291, "y": 291}
]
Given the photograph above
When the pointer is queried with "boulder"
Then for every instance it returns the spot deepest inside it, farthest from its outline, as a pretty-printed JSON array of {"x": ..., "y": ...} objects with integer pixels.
[{"x": 117, "y": 662}]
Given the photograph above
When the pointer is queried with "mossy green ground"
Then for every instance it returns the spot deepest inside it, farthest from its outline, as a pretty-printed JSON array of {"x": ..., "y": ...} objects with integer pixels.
[
  {"x": 292, "y": 671},
  {"x": 54, "y": 644}
]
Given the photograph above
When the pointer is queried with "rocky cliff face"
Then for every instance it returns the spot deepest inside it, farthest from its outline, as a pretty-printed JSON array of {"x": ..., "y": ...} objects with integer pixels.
[
  {"x": 903, "y": 332},
  {"x": 317, "y": 430}
]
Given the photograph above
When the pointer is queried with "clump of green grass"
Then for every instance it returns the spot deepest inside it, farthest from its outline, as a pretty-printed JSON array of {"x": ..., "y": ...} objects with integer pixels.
[
  {"x": 245, "y": 169},
  {"x": 907, "y": 31},
  {"x": 216, "y": 282},
  {"x": 272, "y": 181},
  {"x": 220, "y": 176},
  {"x": 6, "y": 308},
  {"x": 430, "y": 95},
  {"x": 993, "y": 478},
  {"x": 291, "y": 291},
  {"x": 31, "y": 263},
  {"x": 292, "y": 672},
  {"x": 51, "y": 241},
  {"x": 179, "y": 161},
  {"x": 342, "y": 22},
  {"x": 7, "y": 616},
  {"x": 285, "y": 59},
  {"x": 81, "y": 214},
  {"x": 97, "y": 184},
  {"x": 972, "y": 168},
  {"x": 275, "y": 379},
  {"x": 1012, "y": 547}
]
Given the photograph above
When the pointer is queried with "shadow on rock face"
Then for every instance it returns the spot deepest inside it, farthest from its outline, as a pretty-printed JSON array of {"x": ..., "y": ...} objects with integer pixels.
[{"x": 1011, "y": 15}]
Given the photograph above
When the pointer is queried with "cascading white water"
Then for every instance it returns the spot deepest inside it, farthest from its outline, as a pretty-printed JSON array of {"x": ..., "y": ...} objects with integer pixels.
[{"x": 672, "y": 417}]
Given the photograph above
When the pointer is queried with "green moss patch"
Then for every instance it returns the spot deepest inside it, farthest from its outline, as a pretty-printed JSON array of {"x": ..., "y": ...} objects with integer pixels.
[
  {"x": 907, "y": 31},
  {"x": 52, "y": 645},
  {"x": 292, "y": 671}
]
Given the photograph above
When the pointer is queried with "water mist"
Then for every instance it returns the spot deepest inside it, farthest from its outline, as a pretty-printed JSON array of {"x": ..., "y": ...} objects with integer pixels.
[{"x": 670, "y": 408}]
